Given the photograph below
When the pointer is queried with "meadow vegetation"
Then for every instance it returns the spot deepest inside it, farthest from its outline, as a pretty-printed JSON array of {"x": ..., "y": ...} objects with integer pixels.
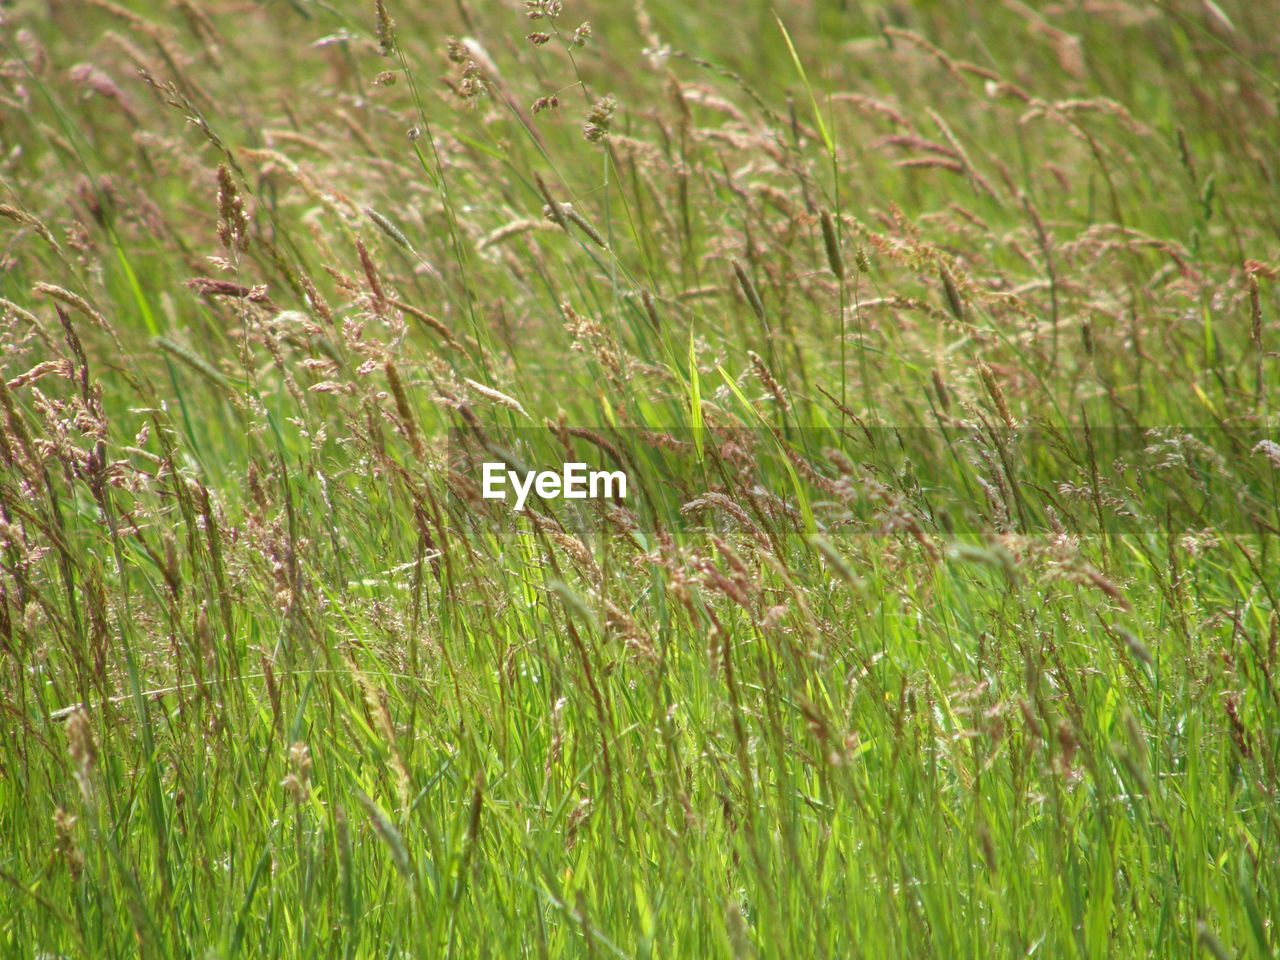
[{"x": 276, "y": 680}]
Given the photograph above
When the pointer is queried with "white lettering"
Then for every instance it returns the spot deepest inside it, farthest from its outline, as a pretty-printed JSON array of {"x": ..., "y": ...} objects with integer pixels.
[
  {"x": 522, "y": 489},
  {"x": 574, "y": 482},
  {"x": 575, "y": 475},
  {"x": 607, "y": 480},
  {"x": 494, "y": 477},
  {"x": 548, "y": 485}
]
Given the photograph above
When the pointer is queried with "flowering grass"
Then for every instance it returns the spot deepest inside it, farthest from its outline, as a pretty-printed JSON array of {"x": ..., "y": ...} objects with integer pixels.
[{"x": 937, "y": 343}]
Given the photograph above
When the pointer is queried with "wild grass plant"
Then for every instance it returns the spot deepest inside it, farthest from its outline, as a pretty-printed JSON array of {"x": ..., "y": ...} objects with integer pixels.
[{"x": 938, "y": 342}]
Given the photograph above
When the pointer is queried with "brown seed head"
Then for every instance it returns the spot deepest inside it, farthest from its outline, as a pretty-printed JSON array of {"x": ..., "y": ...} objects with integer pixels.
[
  {"x": 386, "y": 28},
  {"x": 233, "y": 222},
  {"x": 596, "y": 127}
]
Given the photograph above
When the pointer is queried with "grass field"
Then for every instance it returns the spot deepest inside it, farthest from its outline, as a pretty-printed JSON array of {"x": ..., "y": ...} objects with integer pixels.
[{"x": 937, "y": 340}]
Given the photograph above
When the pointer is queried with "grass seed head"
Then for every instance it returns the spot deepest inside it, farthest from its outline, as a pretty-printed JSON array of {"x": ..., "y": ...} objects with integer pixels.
[
  {"x": 599, "y": 118},
  {"x": 233, "y": 221},
  {"x": 955, "y": 303},
  {"x": 385, "y": 28}
]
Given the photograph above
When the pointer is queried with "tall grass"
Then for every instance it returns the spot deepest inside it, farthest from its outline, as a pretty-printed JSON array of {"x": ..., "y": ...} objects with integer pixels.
[{"x": 894, "y": 651}]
